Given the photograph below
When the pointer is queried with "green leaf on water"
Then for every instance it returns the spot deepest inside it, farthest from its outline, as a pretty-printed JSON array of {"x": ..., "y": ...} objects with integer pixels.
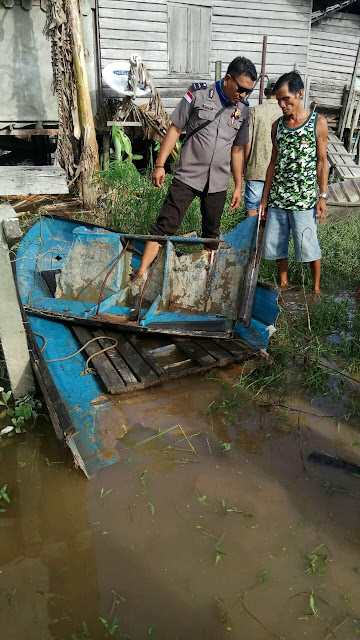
[
  {"x": 150, "y": 630},
  {"x": 312, "y": 604},
  {"x": 152, "y": 508},
  {"x": 354, "y": 444},
  {"x": 219, "y": 555},
  {"x": 347, "y": 597},
  {"x": 226, "y": 446},
  {"x": 262, "y": 575},
  {"x": 202, "y": 499},
  {"x": 143, "y": 478},
  {"x": 103, "y": 493}
]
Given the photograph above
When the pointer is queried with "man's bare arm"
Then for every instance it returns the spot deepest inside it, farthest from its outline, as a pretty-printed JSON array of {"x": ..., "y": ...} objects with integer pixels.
[
  {"x": 171, "y": 137},
  {"x": 247, "y": 150},
  {"x": 322, "y": 167},
  {"x": 269, "y": 174},
  {"x": 237, "y": 166}
]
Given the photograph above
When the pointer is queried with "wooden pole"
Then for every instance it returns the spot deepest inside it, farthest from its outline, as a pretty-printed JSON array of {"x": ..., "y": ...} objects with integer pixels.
[
  {"x": 350, "y": 95},
  {"x": 262, "y": 75},
  {"x": 90, "y": 147},
  {"x": 217, "y": 70}
]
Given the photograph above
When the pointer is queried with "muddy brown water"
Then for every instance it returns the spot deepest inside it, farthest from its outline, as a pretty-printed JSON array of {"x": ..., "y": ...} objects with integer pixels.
[{"x": 152, "y": 537}]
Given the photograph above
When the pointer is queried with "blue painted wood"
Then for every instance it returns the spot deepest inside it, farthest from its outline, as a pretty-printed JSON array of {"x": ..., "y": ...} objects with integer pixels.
[
  {"x": 94, "y": 416},
  {"x": 48, "y": 242}
]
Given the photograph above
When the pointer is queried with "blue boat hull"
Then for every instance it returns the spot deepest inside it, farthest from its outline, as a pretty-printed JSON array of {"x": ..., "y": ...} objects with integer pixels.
[
  {"x": 87, "y": 419},
  {"x": 184, "y": 295}
]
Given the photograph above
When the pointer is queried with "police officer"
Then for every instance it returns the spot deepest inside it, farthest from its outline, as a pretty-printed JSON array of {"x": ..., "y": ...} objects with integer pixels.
[{"x": 216, "y": 123}]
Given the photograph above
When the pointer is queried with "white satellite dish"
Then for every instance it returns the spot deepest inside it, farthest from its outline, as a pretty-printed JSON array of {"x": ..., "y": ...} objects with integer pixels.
[{"x": 116, "y": 75}]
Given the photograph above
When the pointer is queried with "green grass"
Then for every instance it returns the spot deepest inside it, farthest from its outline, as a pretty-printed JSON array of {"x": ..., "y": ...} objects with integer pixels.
[
  {"x": 330, "y": 327},
  {"x": 132, "y": 203}
]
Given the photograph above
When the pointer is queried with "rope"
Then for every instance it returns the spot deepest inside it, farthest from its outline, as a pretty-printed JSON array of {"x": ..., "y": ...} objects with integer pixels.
[{"x": 87, "y": 369}]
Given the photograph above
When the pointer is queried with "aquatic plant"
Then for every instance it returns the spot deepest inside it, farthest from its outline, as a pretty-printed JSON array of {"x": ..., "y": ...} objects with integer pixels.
[{"x": 22, "y": 411}]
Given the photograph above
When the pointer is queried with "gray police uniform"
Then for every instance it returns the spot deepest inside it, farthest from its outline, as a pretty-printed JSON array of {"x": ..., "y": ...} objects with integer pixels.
[{"x": 204, "y": 166}]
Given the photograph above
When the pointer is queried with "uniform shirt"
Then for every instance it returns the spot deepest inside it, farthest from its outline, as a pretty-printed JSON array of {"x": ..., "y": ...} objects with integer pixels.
[
  {"x": 261, "y": 119},
  {"x": 206, "y": 155}
]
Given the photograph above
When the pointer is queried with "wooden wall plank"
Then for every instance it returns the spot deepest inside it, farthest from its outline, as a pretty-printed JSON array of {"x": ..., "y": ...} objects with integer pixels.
[
  {"x": 129, "y": 45},
  {"x": 131, "y": 25},
  {"x": 237, "y": 28},
  {"x": 122, "y": 55},
  {"x": 143, "y": 16},
  {"x": 123, "y": 36}
]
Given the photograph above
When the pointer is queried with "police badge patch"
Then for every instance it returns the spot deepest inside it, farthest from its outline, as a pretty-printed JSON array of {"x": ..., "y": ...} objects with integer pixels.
[{"x": 199, "y": 85}]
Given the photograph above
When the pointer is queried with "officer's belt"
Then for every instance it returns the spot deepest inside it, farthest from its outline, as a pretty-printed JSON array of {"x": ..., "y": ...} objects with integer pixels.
[{"x": 204, "y": 124}]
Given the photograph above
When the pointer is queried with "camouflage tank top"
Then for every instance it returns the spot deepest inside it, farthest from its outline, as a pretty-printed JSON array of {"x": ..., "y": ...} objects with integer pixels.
[{"x": 295, "y": 180}]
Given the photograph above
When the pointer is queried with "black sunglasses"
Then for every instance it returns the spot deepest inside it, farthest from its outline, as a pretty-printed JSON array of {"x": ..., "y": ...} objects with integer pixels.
[{"x": 241, "y": 89}]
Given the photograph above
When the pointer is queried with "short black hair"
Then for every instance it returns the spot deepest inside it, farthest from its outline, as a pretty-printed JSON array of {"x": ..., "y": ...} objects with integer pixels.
[
  {"x": 241, "y": 66},
  {"x": 292, "y": 79}
]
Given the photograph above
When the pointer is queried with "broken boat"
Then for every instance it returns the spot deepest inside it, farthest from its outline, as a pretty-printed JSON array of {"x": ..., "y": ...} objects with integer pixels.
[
  {"x": 94, "y": 334},
  {"x": 70, "y": 271}
]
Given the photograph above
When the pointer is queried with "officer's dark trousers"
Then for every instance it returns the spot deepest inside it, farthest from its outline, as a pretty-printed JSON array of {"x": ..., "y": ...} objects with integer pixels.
[{"x": 177, "y": 202}]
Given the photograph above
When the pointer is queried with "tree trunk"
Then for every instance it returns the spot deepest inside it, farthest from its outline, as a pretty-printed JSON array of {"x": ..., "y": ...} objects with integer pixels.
[{"x": 90, "y": 155}]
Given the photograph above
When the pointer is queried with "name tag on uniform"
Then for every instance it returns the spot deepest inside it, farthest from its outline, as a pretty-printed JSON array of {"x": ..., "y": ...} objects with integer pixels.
[{"x": 207, "y": 106}]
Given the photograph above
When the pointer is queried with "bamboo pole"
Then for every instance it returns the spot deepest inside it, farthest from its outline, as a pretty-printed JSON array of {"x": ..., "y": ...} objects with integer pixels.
[{"x": 90, "y": 147}]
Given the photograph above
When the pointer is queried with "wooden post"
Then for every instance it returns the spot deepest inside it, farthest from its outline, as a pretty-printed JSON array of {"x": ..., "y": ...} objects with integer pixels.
[
  {"x": 88, "y": 134},
  {"x": 106, "y": 150},
  {"x": 12, "y": 331},
  {"x": 263, "y": 65},
  {"x": 217, "y": 70},
  {"x": 350, "y": 95}
]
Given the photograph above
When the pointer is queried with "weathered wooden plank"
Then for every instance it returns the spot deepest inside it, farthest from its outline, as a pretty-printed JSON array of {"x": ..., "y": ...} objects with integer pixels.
[
  {"x": 133, "y": 6},
  {"x": 123, "y": 54},
  {"x": 151, "y": 65},
  {"x": 115, "y": 358},
  {"x": 336, "y": 192},
  {"x": 148, "y": 357},
  {"x": 134, "y": 361},
  {"x": 144, "y": 16},
  {"x": 300, "y": 38},
  {"x": 24, "y": 180},
  {"x": 257, "y": 47},
  {"x": 329, "y": 50},
  {"x": 197, "y": 353},
  {"x": 271, "y": 59},
  {"x": 350, "y": 190},
  {"x": 343, "y": 64},
  {"x": 268, "y": 23},
  {"x": 12, "y": 331},
  {"x": 256, "y": 12},
  {"x": 132, "y": 25},
  {"x": 108, "y": 375},
  {"x": 274, "y": 4},
  {"x": 238, "y": 349},
  {"x": 349, "y": 48},
  {"x": 126, "y": 45},
  {"x": 348, "y": 40},
  {"x": 122, "y": 34},
  {"x": 222, "y": 356}
]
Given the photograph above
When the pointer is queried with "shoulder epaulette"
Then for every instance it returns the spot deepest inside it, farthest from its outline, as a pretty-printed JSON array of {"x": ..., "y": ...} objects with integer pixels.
[{"x": 199, "y": 85}]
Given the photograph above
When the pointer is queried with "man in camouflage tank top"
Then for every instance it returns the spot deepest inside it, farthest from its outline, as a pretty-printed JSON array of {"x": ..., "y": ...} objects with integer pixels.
[{"x": 298, "y": 165}]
